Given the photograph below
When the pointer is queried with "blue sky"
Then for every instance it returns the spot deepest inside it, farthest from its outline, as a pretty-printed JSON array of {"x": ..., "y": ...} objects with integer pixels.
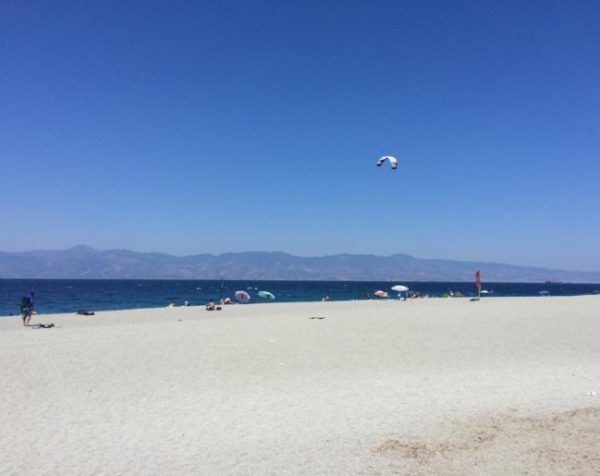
[{"x": 189, "y": 127}]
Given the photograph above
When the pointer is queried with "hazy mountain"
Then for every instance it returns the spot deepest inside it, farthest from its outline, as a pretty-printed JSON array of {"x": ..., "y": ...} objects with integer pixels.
[{"x": 86, "y": 262}]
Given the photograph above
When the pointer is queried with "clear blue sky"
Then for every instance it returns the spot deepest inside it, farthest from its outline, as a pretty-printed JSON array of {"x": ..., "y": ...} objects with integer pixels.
[{"x": 189, "y": 127}]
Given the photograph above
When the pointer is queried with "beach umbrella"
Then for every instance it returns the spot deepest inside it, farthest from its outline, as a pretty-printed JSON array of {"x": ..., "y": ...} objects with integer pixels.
[
  {"x": 266, "y": 295},
  {"x": 380, "y": 294},
  {"x": 242, "y": 296},
  {"x": 399, "y": 288}
]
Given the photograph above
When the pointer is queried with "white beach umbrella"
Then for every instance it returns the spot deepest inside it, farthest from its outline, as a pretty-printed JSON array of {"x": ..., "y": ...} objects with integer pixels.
[{"x": 399, "y": 288}]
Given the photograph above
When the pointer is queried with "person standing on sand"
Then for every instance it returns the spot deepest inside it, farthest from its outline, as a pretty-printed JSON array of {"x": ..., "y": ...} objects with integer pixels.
[{"x": 26, "y": 308}]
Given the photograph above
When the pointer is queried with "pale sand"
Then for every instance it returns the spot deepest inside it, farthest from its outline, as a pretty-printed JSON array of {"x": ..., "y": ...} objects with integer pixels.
[{"x": 437, "y": 386}]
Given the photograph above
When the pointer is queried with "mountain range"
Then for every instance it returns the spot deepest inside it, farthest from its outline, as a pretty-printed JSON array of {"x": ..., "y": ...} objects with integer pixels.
[{"x": 83, "y": 262}]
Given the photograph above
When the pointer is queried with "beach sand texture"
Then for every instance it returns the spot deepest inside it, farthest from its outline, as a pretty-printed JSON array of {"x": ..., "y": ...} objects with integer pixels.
[{"x": 429, "y": 386}]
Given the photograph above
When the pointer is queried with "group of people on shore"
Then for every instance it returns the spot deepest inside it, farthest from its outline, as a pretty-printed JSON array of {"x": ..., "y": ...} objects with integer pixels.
[
  {"x": 27, "y": 304},
  {"x": 210, "y": 306}
]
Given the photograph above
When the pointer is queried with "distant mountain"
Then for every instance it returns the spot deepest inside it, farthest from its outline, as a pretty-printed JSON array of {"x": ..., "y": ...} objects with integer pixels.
[{"x": 84, "y": 262}]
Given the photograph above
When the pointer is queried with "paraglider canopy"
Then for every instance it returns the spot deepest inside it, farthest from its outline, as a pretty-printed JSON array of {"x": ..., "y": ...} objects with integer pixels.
[{"x": 392, "y": 160}]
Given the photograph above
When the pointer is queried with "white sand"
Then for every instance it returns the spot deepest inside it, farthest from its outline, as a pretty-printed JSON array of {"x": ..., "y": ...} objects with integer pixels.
[{"x": 442, "y": 386}]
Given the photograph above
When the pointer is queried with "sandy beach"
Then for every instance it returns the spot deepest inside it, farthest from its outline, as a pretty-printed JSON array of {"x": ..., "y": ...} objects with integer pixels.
[{"x": 428, "y": 386}]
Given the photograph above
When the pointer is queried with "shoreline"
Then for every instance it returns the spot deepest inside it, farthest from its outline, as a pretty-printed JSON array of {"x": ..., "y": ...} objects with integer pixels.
[
  {"x": 389, "y": 300},
  {"x": 58, "y": 297},
  {"x": 376, "y": 387}
]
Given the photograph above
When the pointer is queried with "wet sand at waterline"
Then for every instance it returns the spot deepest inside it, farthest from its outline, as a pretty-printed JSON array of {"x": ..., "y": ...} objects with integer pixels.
[{"x": 446, "y": 386}]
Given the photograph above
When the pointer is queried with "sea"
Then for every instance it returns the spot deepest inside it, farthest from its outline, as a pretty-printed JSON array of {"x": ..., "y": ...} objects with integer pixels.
[{"x": 72, "y": 295}]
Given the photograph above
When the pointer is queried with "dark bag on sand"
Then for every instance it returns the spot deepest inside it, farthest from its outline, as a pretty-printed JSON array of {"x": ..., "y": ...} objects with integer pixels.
[{"x": 25, "y": 302}]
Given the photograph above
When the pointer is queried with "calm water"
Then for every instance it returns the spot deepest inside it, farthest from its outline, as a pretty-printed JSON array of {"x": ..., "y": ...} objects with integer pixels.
[{"x": 61, "y": 295}]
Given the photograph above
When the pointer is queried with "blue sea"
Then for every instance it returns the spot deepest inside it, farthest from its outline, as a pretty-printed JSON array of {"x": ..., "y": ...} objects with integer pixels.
[{"x": 70, "y": 295}]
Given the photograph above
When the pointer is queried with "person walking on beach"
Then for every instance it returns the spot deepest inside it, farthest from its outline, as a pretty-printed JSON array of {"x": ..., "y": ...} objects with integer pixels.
[{"x": 26, "y": 308}]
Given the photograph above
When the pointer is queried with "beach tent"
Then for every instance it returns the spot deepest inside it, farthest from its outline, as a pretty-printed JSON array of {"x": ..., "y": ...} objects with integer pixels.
[
  {"x": 266, "y": 295},
  {"x": 381, "y": 294},
  {"x": 242, "y": 296}
]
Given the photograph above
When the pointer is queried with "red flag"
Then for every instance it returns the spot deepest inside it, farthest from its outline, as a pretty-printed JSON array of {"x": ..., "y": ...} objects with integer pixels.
[{"x": 478, "y": 279}]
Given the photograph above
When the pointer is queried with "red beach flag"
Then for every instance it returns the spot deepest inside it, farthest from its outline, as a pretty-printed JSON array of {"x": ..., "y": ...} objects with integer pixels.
[{"x": 478, "y": 279}]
